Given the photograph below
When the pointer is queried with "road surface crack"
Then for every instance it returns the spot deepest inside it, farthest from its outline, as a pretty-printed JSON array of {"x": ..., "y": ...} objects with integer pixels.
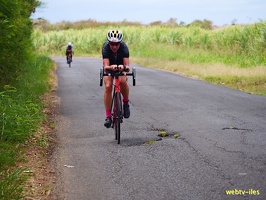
[{"x": 235, "y": 128}]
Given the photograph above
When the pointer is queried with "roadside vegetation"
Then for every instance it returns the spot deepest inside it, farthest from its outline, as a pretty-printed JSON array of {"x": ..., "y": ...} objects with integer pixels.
[
  {"x": 21, "y": 108},
  {"x": 234, "y": 56},
  {"x": 24, "y": 79}
]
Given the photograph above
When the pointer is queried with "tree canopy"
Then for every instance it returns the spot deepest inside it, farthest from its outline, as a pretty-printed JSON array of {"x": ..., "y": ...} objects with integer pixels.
[{"x": 15, "y": 35}]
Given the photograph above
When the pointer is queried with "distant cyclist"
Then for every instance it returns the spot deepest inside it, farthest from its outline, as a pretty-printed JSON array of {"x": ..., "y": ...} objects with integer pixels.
[
  {"x": 115, "y": 55},
  {"x": 69, "y": 50}
]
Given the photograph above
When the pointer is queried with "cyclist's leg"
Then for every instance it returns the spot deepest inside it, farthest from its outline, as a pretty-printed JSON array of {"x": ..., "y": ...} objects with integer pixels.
[
  {"x": 125, "y": 92},
  {"x": 108, "y": 82},
  {"x": 124, "y": 87},
  {"x": 66, "y": 54}
]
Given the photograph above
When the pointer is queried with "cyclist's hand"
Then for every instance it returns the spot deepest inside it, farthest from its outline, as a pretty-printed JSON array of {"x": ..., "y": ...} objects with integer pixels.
[
  {"x": 126, "y": 68},
  {"x": 120, "y": 67},
  {"x": 114, "y": 67}
]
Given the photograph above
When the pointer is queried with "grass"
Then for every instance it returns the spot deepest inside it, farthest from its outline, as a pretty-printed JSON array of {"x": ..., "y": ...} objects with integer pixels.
[
  {"x": 234, "y": 56},
  {"x": 243, "y": 46},
  {"x": 21, "y": 116},
  {"x": 11, "y": 185},
  {"x": 251, "y": 80}
]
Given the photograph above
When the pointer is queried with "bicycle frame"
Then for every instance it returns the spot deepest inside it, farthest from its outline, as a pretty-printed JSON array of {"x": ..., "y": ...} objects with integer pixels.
[
  {"x": 117, "y": 109},
  {"x": 117, "y": 84},
  {"x": 116, "y": 90}
]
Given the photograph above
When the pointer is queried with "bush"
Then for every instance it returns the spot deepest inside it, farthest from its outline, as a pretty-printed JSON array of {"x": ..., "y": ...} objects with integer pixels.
[{"x": 15, "y": 37}]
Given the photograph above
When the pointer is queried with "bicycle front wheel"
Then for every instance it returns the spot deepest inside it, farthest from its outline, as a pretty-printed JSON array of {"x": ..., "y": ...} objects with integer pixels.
[{"x": 117, "y": 116}]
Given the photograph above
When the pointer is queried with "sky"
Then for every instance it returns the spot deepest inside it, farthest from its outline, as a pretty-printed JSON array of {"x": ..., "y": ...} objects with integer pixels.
[{"x": 220, "y": 12}]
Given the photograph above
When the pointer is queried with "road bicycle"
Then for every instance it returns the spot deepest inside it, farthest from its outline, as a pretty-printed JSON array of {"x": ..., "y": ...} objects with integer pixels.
[
  {"x": 69, "y": 59},
  {"x": 117, "y": 107}
]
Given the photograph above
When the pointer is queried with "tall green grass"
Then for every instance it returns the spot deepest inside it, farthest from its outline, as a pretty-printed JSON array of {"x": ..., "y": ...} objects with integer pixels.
[
  {"x": 21, "y": 116},
  {"x": 11, "y": 185},
  {"x": 239, "y": 47},
  {"x": 243, "y": 46}
]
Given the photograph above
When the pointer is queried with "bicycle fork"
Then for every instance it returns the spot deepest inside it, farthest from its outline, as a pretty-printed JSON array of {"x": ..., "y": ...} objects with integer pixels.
[{"x": 117, "y": 98}]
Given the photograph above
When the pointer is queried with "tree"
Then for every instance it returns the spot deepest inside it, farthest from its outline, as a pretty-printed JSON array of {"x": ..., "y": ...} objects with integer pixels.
[
  {"x": 156, "y": 23},
  {"x": 182, "y": 23},
  {"x": 205, "y": 24},
  {"x": 15, "y": 34},
  {"x": 234, "y": 21},
  {"x": 171, "y": 22}
]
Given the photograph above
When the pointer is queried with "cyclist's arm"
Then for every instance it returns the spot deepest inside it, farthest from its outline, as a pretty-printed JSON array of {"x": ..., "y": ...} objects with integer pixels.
[
  {"x": 107, "y": 66},
  {"x": 126, "y": 64},
  {"x": 124, "y": 67}
]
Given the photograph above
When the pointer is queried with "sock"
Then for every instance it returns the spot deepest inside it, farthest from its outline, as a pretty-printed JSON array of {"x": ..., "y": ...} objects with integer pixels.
[
  {"x": 125, "y": 100},
  {"x": 108, "y": 113}
]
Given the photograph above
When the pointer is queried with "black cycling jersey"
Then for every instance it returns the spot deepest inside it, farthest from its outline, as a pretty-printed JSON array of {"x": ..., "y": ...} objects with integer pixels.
[{"x": 115, "y": 58}]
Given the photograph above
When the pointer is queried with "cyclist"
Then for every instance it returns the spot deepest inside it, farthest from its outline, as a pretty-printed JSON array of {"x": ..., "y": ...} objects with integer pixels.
[
  {"x": 69, "y": 50},
  {"x": 115, "y": 55}
]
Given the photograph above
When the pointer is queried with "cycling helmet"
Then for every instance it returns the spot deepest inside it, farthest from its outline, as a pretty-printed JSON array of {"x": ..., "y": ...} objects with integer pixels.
[
  {"x": 69, "y": 44},
  {"x": 114, "y": 36}
]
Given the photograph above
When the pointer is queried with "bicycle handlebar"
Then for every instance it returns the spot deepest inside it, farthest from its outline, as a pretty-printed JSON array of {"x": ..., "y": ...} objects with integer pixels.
[{"x": 116, "y": 74}]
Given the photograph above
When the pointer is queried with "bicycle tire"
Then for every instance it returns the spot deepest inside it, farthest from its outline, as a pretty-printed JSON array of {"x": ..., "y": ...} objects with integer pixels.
[
  {"x": 101, "y": 76},
  {"x": 117, "y": 116},
  {"x": 134, "y": 76},
  {"x": 69, "y": 61}
]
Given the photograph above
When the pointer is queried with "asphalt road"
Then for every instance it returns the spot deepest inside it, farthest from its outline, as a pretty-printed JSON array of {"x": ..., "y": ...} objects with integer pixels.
[{"x": 222, "y": 142}]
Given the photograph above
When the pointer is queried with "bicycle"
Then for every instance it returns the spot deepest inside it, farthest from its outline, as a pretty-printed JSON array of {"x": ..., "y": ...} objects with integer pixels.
[
  {"x": 69, "y": 59},
  {"x": 117, "y": 108}
]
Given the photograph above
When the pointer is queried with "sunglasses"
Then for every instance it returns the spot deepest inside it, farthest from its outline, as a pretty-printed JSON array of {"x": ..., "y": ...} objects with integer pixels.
[{"x": 114, "y": 43}]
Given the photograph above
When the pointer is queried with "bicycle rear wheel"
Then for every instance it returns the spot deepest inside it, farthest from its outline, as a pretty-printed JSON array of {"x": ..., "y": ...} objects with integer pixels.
[
  {"x": 117, "y": 116},
  {"x": 69, "y": 60}
]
